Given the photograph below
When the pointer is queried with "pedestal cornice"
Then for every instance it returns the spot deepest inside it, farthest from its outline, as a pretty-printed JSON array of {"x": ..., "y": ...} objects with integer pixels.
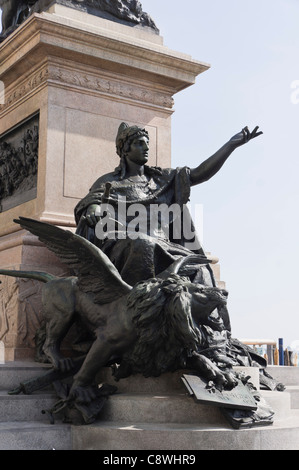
[{"x": 47, "y": 34}]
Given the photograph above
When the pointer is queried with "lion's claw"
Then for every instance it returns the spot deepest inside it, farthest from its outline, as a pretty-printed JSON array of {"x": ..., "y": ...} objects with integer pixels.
[{"x": 82, "y": 394}]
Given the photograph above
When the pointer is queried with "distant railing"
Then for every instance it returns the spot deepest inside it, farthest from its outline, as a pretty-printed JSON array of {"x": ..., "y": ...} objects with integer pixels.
[{"x": 273, "y": 351}]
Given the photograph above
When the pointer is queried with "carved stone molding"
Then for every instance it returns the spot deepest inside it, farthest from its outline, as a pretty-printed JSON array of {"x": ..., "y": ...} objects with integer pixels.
[
  {"x": 27, "y": 86},
  {"x": 109, "y": 86},
  {"x": 53, "y": 74},
  {"x": 94, "y": 58}
]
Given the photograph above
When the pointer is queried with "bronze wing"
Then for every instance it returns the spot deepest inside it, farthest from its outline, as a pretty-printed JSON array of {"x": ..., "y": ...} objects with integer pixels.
[{"x": 96, "y": 274}]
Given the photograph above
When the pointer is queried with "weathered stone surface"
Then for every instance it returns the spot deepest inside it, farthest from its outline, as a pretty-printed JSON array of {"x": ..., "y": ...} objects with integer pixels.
[{"x": 129, "y": 12}]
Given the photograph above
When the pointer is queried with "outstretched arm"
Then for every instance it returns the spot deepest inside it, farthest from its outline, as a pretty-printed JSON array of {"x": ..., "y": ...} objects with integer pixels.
[{"x": 212, "y": 165}]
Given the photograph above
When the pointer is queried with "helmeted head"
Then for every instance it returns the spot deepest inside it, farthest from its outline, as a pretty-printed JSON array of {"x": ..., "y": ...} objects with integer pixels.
[
  {"x": 125, "y": 137},
  {"x": 126, "y": 134}
]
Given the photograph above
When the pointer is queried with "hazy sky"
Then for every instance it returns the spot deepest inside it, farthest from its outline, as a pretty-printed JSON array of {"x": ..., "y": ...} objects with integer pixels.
[{"x": 251, "y": 205}]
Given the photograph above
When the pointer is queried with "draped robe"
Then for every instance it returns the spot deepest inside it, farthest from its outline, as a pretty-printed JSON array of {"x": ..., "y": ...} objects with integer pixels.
[{"x": 146, "y": 256}]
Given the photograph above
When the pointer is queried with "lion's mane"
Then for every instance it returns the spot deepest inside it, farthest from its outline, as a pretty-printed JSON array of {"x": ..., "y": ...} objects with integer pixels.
[{"x": 166, "y": 332}]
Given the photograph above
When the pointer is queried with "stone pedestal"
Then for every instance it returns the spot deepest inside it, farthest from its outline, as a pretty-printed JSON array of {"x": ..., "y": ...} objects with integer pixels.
[{"x": 80, "y": 76}]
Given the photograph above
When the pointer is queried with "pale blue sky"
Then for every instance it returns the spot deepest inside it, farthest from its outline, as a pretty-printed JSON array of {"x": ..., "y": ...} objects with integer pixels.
[{"x": 251, "y": 205}]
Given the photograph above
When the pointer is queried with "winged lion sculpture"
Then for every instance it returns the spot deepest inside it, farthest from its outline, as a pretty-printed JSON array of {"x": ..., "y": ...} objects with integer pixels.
[{"x": 151, "y": 328}]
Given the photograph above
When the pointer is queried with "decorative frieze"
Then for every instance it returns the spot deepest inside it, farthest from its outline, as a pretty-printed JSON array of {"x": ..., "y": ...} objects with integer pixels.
[
  {"x": 18, "y": 91},
  {"x": 109, "y": 86},
  {"x": 72, "y": 77}
]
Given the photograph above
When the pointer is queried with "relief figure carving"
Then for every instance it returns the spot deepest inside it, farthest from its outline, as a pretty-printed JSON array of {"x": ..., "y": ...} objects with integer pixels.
[{"x": 18, "y": 164}]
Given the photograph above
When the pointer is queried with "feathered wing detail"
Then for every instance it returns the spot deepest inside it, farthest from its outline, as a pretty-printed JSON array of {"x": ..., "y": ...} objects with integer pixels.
[{"x": 96, "y": 274}]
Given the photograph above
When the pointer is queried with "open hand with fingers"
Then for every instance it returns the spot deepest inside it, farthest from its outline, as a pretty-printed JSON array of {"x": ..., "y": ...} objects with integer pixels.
[
  {"x": 245, "y": 136},
  {"x": 207, "y": 169}
]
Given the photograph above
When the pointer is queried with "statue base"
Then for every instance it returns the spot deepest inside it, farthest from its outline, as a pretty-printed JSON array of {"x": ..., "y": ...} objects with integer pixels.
[{"x": 145, "y": 414}]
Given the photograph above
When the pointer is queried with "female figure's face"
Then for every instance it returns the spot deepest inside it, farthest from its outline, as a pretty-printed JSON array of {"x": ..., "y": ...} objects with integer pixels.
[{"x": 138, "y": 152}]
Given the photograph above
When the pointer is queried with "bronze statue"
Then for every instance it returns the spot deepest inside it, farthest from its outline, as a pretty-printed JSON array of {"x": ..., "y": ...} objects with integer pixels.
[
  {"x": 161, "y": 324},
  {"x": 135, "y": 182},
  {"x": 149, "y": 302},
  {"x": 14, "y": 12},
  {"x": 122, "y": 319}
]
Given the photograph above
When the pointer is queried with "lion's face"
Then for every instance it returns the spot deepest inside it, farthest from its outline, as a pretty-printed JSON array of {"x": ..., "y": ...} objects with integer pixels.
[{"x": 204, "y": 304}]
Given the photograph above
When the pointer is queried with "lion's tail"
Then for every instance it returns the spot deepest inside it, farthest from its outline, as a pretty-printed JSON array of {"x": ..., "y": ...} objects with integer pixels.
[{"x": 36, "y": 275}]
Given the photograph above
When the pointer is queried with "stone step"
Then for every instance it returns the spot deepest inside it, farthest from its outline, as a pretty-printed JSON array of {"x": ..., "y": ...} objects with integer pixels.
[
  {"x": 159, "y": 409},
  {"x": 280, "y": 402},
  {"x": 25, "y": 407},
  {"x": 288, "y": 375},
  {"x": 165, "y": 384},
  {"x": 35, "y": 436},
  {"x": 138, "y": 398},
  {"x": 145, "y": 414},
  {"x": 12, "y": 373},
  {"x": 172, "y": 381},
  {"x": 178, "y": 408},
  {"x": 103, "y": 435},
  {"x": 293, "y": 390},
  {"x": 282, "y": 435}
]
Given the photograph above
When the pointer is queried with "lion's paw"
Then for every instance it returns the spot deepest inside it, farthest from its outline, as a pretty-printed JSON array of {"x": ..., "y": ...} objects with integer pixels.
[{"x": 82, "y": 394}]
